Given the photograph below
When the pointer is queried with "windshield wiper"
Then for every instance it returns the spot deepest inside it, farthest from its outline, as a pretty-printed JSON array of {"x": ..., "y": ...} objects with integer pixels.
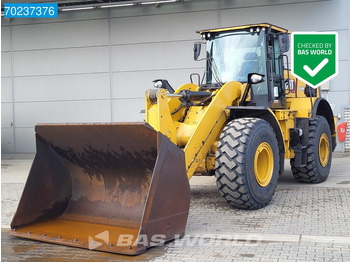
[
  {"x": 215, "y": 71},
  {"x": 213, "y": 67}
]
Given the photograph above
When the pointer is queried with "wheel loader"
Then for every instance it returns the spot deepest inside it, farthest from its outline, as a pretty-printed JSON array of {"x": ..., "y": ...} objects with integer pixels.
[{"x": 123, "y": 187}]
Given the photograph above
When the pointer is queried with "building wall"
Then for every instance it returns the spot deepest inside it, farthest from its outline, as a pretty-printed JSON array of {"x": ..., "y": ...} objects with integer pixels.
[{"x": 95, "y": 65}]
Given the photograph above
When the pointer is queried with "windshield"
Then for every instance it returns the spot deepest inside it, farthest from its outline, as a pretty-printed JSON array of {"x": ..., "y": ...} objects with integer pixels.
[{"x": 231, "y": 56}]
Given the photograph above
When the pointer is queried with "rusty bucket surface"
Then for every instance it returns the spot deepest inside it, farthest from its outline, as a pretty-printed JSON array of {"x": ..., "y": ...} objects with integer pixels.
[{"x": 118, "y": 188}]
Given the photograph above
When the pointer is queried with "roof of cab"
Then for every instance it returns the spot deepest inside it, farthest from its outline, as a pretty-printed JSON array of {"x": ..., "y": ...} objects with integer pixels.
[{"x": 224, "y": 29}]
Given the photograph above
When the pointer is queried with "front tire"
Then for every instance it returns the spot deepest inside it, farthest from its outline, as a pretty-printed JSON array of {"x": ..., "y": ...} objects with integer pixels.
[
  {"x": 319, "y": 153},
  {"x": 247, "y": 163}
]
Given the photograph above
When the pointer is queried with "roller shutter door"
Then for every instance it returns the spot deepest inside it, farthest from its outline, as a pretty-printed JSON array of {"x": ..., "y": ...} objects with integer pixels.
[{"x": 347, "y": 119}]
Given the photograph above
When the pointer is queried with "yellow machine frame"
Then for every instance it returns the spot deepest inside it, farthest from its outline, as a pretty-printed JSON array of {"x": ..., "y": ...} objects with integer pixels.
[
  {"x": 198, "y": 133},
  {"x": 202, "y": 127}
]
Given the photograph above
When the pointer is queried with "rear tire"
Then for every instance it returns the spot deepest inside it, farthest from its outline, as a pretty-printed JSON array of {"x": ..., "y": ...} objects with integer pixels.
[
  {"x": 319, "y": 153},
  {"x": 247, "y": 163}
]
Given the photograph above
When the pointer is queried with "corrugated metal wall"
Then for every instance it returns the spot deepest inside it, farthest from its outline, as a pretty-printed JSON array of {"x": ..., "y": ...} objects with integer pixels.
[{"x": 95, "y": 65}]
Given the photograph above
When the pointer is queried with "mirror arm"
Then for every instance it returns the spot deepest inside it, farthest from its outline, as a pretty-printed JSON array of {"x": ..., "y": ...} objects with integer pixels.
[
  {"x": 250, "y": 82},
  {"x": 245, "y": 94}
]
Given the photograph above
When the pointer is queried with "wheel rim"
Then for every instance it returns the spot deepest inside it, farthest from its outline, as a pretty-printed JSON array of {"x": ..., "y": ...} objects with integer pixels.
[
  {"x": 263, "y": 164},
  {"x": 323, "y": 150}
]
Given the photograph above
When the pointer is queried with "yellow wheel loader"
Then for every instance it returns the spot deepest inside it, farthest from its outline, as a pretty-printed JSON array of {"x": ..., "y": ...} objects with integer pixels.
[{"x": 123, "y": 187}]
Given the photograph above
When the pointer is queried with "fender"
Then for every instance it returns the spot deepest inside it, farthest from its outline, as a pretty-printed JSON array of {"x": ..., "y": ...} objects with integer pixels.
[{"x": 263, "y": 113}]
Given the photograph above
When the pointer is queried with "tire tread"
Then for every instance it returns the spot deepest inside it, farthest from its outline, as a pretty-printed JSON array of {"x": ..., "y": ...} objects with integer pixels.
[
  {"x": 309, "y": 173},
  {"x": 230, "y": 160}
]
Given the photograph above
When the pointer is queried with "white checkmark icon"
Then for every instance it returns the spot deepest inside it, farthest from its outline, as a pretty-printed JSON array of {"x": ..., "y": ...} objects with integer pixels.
[{"x": 318, "y": 68}]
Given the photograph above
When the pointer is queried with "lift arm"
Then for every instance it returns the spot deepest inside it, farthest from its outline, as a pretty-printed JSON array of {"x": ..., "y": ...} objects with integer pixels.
[{"x": 200, "y": 125}]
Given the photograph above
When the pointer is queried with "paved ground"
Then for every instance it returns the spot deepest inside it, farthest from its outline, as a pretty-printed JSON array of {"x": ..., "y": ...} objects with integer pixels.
[{"x": 302, "y": 223}]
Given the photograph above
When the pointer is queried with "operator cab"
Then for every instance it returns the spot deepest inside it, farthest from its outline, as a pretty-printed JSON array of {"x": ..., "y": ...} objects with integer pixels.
[{"x": 233, "y": 53}]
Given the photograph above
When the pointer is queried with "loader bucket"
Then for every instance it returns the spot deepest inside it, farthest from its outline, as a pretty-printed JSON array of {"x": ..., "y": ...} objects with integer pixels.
[{"x": 118, "y": 188}]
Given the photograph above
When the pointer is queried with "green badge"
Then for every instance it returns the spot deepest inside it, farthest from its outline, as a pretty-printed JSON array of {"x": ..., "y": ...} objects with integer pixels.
[{"x": 315, "y": 57}]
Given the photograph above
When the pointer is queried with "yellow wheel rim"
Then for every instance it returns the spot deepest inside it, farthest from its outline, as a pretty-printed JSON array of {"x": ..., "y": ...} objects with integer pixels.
[
  {"x": 263, "y": 164},
  {"x": 323, "y": 150}
]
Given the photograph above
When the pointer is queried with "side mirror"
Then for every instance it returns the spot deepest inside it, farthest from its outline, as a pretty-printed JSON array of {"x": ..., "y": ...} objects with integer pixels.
[
  {"x": 283, "y": 42},
  {"x": 196, "y": 50},
  {"x": 255, "y": 78}
]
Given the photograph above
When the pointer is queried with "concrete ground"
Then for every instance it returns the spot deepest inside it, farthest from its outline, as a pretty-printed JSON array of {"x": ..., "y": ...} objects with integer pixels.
[{"x": 302, "y": 223}]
